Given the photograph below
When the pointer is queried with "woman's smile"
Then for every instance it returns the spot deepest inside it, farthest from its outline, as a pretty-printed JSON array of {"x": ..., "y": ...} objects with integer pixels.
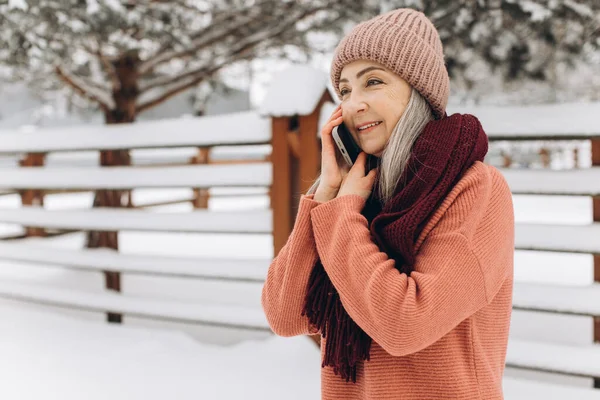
[{"x": 369, "y": 128}]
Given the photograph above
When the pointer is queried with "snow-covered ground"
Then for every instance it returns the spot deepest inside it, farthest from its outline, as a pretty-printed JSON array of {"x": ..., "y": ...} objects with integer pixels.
[{"x": 47, "y": 356}]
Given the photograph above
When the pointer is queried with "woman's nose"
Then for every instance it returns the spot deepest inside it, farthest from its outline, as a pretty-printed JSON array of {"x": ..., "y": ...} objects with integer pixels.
[{"x": 355, "y": 104}]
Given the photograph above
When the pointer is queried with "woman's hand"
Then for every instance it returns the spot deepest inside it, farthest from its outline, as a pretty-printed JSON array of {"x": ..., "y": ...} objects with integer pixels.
[
  {"x": 331, "y": 171},
  {"x": 356, "y": 182}
]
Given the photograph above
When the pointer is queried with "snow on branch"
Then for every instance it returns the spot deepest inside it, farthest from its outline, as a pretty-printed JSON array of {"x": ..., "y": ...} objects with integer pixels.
[
  {"x": 581, "y": 9},
  {"x": 235, "y": 53},
  {"x": 86, "y": 89},
  {"x": 221, "y": 27}
]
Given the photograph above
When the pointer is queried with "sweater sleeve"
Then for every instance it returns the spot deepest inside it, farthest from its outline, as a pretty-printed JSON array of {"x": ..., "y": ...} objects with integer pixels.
[
  {"x": 284, "y": 289},
  {"x": 460, "y": 266}
]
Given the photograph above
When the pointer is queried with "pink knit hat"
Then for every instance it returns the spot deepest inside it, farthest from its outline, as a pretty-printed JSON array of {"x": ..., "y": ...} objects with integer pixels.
[{"x": 406, "y": 42}]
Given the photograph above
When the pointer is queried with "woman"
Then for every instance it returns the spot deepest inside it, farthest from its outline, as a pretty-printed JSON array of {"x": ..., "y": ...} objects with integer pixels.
[{"x": 406, "y": 271}]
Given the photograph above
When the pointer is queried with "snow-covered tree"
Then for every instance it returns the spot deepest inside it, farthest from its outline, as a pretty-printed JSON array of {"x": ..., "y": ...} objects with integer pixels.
[{"x": 128, "y": 56}]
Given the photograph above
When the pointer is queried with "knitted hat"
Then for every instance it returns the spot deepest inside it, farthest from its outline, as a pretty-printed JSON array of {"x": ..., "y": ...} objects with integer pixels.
[{"x": 406, "y": 42}]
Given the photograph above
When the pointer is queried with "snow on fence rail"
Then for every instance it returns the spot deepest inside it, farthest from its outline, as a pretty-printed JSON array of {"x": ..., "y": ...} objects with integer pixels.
[
  {"x": 196, "y": 176},
  {"x": 104, "y": 259},
  {"x": 243, "y": 128}
]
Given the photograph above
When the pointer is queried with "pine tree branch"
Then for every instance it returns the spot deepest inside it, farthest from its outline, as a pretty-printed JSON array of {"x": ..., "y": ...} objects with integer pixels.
[
  {"x": 241, "y": 47},
  {"x": 171, "y": 93},
  {"x": 85, "y": 89},
  {"x": 211, "y": 34},
  {"x": 107, "y": 65}
]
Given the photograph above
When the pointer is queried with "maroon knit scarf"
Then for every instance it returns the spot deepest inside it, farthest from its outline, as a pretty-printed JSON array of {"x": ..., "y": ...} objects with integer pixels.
[{"x": 442, "y": 153}]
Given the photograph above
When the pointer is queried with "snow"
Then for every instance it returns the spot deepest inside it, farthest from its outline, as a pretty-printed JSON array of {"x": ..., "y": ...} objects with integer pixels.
[
  {"x": 538, "y": 12},
  {"x": 176, "y": 155},
  {"x": 113, "y": 219},
  {"x": 256, "y": 174},
  {"x": 520, "y": 389},
  {"x": 172, "y": 310},
  {"x": 582, "y": 9},
  {"x": 76, "y": 359},
  {"x": 581, "y": 300},
  {"x": 294, "y": 91},
  {"x": 544, "y": 181},
  {"x": 90, "y": 89},
  {"x": 568, "y": 238},
  {"x": 236, "y": 269},
  {"x": 555, "y": 121},
  {"x": 20, "y": 4},
  {"x": 555, "y": 209},
  {"x": 575, "y": 360},
  {"x": 326, "y": 112},
  {"x": 242, "y": 128}
]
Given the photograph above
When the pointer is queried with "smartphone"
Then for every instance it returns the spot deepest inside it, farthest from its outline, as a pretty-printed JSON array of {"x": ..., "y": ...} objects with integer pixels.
[{"x": 345, "y": 143}]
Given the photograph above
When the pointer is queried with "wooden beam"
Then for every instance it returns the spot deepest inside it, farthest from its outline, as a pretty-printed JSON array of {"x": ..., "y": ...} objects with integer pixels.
[
  {"x": 310, "y": 160},
  {"x": 281, "y": 190},
  {"x": 596, "y": 213},
  {"x": 33, "y": 197},
  {"x": 201, "y": 195}
]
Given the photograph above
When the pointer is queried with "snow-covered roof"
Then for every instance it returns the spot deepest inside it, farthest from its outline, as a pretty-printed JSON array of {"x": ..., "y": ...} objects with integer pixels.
[
  {"x": 294, "y": 91},
  {"x": 251, "y": 270},
  {"x": 551, "y": 121},
  {"x": 198, "y": 175},
  {"x": 567, "y": 238},
  {"x": 553, "y": 182},
  {"x": 116, "y": 219},
  {"x": 230, "y": 129},
  {"x": 578, "y": 300}
]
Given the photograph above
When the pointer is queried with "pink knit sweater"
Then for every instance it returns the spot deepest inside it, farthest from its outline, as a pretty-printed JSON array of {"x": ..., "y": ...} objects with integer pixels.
[{"x": 440, "y": 333}]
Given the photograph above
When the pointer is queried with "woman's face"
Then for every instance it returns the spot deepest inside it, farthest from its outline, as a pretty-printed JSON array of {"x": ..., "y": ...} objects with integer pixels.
[{"x": 372, "y": 93}]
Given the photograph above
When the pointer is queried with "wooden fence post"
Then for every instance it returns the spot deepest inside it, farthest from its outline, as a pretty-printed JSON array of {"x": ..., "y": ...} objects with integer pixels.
[
  {"x": 281, "y": 188},
  {"x": 33, "y": 197},
  {"x": 310, "y": 146},
  {"x": 296, "y": 158},
  {"x": 201, "y": 195},
  {"x": 110, "y": 239},
  {"x": 596, "y": 214}
]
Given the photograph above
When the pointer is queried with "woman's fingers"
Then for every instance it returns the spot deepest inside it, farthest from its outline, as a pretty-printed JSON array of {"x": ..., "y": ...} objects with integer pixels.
[
  {"x": 326, "y": 139},
  {"x": 359, "y": 164}
]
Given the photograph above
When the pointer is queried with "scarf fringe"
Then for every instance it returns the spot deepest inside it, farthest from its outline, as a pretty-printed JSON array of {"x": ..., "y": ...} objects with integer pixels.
[{"x": 348, "y": 343}]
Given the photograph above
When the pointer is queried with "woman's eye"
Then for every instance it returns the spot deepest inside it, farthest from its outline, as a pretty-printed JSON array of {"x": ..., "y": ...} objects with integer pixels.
[
  {"x": 343, "y": 92},
  {"x": 373, "y": 81}
]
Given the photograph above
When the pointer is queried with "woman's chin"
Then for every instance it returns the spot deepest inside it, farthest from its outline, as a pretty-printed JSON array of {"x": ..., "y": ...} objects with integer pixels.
[{"x": 373, "y": 151}]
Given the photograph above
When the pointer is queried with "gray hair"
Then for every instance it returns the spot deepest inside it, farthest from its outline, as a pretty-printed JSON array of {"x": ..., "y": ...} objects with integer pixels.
[{"x": 397, "y": 150}]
